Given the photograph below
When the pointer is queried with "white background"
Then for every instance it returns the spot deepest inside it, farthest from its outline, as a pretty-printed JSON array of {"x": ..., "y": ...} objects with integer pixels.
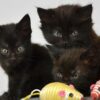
[{"x": 14, "y": 10}]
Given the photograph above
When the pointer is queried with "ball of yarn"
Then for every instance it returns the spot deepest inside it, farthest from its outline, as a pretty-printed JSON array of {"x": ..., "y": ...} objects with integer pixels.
[{"x": 59, "y": 91}]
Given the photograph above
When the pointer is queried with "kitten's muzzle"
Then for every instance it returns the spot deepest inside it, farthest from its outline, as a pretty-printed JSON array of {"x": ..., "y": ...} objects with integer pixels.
[{"x": 12, "y": 60}]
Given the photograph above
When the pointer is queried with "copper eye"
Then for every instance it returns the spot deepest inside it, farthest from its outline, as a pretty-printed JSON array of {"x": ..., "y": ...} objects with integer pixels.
[
  {"x": 4, "y": 51},
  {"x": 20, "y": 49},
  {"x": 57, "y": 34},
  {"x": 75, "y": 76},
  {"x": 75, "y": 33}
]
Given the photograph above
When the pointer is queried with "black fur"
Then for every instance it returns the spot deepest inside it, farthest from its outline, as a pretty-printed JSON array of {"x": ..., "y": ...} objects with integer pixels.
[{"x": 28, "y": 66}]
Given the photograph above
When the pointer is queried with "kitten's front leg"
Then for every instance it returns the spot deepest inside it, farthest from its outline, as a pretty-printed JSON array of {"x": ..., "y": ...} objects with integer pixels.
[{"x": 13, "y": 88}]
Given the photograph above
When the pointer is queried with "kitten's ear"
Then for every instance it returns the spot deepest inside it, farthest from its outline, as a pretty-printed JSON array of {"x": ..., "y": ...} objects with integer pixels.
[
  {"x": 85, "y": 13},
  {"x": 24, "y": 26},
  {"x": 46, "y": 15}
]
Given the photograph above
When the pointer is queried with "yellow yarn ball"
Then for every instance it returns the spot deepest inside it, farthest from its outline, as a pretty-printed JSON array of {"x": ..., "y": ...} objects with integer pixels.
[{"x": 59, "y": 91}]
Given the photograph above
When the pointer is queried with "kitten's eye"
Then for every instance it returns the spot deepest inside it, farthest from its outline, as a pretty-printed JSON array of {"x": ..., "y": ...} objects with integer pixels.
[
  {"x": 75, "y": 33},
  {"x": 57, "y": 34},
  {"x": 20, "y": 49},
  {"x": 4, "y": 51},
  {"x": 75, "y": 74}
]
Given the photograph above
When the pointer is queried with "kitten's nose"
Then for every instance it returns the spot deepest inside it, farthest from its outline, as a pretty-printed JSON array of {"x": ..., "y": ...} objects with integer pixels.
[
  {"x": 13, "y": 58},
  {"x": 66, "y": 44}
]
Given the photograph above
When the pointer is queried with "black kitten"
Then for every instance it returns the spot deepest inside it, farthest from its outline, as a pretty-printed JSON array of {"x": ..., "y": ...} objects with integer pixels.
[
  {"x": 80, "y": 67},
  {"x": 27, "y": 65},
  {"x": 67, "y": 26}
]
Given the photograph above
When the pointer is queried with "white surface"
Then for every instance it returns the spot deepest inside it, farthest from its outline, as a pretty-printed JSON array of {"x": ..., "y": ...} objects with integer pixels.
[{"x": 14, "y": 10}]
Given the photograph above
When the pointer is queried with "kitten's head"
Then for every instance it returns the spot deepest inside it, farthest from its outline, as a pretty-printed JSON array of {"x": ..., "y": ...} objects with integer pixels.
[
  {"x": 65, "y": 64},
  {"x": 67, "y": 26},
  {"x": 15, "y": 41}
]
